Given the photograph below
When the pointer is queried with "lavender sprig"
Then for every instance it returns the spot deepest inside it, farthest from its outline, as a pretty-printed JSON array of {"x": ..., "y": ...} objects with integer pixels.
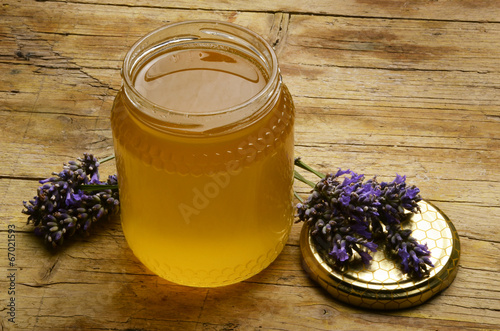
[
  {"x": 348, "y": 213},
  {"x": 414, "y": 257},
  {"x": 72, "y": 200}
]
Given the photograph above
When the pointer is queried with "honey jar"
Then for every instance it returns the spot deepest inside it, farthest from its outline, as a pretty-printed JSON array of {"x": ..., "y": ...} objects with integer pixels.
[{"x": 203, "y": 138}]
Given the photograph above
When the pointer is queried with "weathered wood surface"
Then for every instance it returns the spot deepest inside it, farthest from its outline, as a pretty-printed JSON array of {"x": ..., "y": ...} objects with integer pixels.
[{"x": 380, "y": 87}]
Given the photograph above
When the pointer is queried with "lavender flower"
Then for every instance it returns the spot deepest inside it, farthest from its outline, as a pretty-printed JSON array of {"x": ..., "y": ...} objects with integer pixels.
[
  {"x": 341, "y": 211},
  {"x": 348, "y": 213},
  {"x": 414, "y": 256},
  {"x": 72, "y": 201}
]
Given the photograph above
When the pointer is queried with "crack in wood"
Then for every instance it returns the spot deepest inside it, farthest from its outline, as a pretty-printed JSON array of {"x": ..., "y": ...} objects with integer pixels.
[
  {"x": 279, "y": 41},
  {"x": 481, "y": 239},
  {"x": 50, "y": 270},
  {"x": 399, "y": 145},
  {"x": 404, "y": 69},
  {"x": 423, "y": 99},
  {"x": 43, "y": 285}
]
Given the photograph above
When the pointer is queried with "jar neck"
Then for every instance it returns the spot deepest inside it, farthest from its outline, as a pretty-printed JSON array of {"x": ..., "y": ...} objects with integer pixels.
[{"x": 199, "y": 35}]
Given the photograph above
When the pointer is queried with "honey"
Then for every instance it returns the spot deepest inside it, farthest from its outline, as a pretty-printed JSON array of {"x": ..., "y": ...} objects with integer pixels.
[
  {"x": 197, "y": 80},
  {"x": 203, "y": 135}
]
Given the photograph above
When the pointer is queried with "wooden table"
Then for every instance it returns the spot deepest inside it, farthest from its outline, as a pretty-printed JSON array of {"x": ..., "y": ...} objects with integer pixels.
[{"x": 380, "y": 86}]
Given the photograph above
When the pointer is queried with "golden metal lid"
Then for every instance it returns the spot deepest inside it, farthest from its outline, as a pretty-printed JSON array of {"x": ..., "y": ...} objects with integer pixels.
[{"x": 382, "y": 285}]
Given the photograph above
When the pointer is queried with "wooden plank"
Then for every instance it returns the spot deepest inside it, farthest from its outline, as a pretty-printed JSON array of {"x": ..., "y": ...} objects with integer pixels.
[
  {"x": 395, "y": 45},
  {"x": 465, "y": 10}
]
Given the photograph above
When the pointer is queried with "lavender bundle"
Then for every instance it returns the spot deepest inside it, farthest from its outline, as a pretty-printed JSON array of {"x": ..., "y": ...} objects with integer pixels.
[
  {"x": 72, "y": 201},
  {"x": 348, "y": 214}
]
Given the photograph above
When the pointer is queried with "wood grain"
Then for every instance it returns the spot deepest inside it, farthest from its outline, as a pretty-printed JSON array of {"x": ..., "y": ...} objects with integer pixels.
[{"x": 381, "y": 87}]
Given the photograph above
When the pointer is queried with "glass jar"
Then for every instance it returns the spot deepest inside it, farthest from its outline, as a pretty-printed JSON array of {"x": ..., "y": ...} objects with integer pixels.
[{"x": 203, "y": 138}]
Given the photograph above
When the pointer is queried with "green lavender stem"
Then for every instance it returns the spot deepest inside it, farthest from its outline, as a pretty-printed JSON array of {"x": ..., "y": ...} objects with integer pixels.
[
  {"x": 299, "y": 163},
  {"x": 301, "y": 178}
]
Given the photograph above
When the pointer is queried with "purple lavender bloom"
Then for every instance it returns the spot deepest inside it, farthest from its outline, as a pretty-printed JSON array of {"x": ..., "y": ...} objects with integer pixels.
[
  {"x": 70, "y": 200},
  {"x": 411, "y": 193},
  {"x": 61, "y": 208},
  {"x": 75, "y": 199},
  {"x": 51, "y": 179},
  {"x": 87, "y": 224},
  {"x": 346, "y": 213},
  {"x": 112, "y": 180},
  {"x": 345, "y": 200},
  {"x": 341, "y": 172},
  {"x": 371, "y": 246},
  {"x": 57, "y": 236},
  {"x": 415, "y": 257},
  {"x": 368, "y": 192},
  {"x": 340, "y": 252},
  {"x": 403, "y": 253},
  {"x": 365, "y": 257},
  {"x": 361, "y": 229},
  {"x": 399, "y": 179},
  {"x": 427, "y": 260},
  {"x": 100, "y": 213},
  {"x": 415, "y": 261},
  {"x": 421, "y": 249},
  {"x": 355, "y": 178},
  {"x": 95, "y": 178}
]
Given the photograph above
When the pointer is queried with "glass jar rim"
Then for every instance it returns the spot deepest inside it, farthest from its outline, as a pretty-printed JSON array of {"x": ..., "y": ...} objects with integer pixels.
[{"x": 270, "y": 60}]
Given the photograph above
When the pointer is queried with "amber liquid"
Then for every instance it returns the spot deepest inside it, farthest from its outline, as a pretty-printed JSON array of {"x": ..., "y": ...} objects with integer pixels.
[{"x": 204, "y": 210}]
